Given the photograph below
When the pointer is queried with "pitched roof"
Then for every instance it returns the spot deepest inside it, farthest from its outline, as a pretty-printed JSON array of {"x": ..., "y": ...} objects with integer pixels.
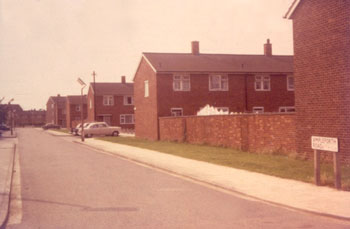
[
  {"x": 113, "y": 88},
  {"x": 291, "y": 9},
  {"x": 59, "y": 100},
  {"x": 76, "y": 99},
  {"x": 172, "y": 62}
]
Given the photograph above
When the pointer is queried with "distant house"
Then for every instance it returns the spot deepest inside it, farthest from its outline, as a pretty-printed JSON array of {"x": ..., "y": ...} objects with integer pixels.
[
  {"x": 112, "y": 103},
  {"x": 321, "y": 32},
  {"x": 56, "y": 110},
  {"x": 32, "y": 118},
  {"x": 176, "y": 84},
  {"x": 73, "y": 110}
]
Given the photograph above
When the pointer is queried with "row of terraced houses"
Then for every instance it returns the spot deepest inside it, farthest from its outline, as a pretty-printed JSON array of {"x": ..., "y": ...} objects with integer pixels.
[{"x": 308, "y": 93}]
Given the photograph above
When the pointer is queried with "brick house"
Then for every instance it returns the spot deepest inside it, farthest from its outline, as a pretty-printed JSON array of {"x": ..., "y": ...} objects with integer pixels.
[
  {"x": 73, "y": 108},
  {"x": 322, "y": 69},
  {"x": 32, "y": 118},
  {"x": 112, "y": 103},
  {"x": 56, "y": 110},
  {"x": 175, "y": 84}
]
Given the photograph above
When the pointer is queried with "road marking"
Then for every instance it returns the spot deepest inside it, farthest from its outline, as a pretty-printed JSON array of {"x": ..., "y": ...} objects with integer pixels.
[{"x": 15, "y": 216}]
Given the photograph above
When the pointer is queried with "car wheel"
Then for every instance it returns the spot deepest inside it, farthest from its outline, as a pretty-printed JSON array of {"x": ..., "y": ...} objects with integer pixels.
[{"x": 115, "y": 133}]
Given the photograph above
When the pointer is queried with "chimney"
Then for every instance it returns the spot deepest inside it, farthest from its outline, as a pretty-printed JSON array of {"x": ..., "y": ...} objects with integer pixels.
[
  {"x": 268, "y": 48},
  {"x": 58, "y": 95},
  {"x": 195, "y": 47},
  {"x": 123, "y": 79}
]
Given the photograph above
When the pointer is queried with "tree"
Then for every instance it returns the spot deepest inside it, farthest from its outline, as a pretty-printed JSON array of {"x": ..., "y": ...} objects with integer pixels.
[{"x": 3, "y": 114}]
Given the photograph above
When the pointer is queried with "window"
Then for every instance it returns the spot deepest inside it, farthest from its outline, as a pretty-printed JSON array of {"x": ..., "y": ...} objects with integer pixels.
[
  {"x": 90, "y": 103},
  {"x": 128, "y": 100},
  {"x": 108, "y": 100},
  {"x": 77, "y": 108},
  {"x": 258, "y": 109},
  {"x": 127, "y": 119},
  {"x": 146, "y": 88},
  {"x": 176, "y": 111},
  {"x": 287, "y": 109},
  {"x": 218, "y": 83},
  {"x": 262, "y": 83},
  {"x": 181, "y": 83},
  {"x": 290, "y": 83}
]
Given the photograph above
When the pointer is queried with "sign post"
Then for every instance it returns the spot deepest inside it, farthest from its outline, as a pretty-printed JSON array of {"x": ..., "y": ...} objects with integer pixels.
[{"x": 326, "y": 144}]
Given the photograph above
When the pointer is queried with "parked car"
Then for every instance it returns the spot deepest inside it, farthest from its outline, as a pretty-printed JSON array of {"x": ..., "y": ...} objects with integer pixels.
[
  {"x": 4, "y": 127},
  {"x": 100, "y": 128},
  {"x": 78, "y": 127},
  {"x": 51, "y": 126}
]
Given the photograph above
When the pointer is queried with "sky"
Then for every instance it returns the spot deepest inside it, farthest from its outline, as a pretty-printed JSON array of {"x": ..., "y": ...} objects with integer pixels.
[{"x": 45, "y": 45}]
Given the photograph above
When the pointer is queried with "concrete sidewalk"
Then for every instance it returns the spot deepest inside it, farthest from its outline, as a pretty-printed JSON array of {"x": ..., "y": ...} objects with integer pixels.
[
  {"x": 288, "y": 193},
  {"x": 7, "y": 151}
]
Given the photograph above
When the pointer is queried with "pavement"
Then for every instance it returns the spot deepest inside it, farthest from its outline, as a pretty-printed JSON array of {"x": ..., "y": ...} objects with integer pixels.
[
  {"x": 7, "y": 151},
  {"x": 287, "y": 193},
  {"x": 282, "y": 192}
]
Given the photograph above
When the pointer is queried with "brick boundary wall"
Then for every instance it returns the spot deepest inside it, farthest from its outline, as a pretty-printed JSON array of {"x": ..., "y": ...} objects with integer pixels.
[{"x": 260, "y": 133}]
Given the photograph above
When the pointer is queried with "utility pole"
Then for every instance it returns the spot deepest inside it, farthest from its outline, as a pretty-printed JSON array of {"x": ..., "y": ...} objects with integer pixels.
[{"x": 94, "y": 75}]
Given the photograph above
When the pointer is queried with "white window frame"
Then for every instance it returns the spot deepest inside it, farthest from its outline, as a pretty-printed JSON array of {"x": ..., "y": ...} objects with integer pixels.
[
  {"x": 174, "y": 111},
  {"x": 289, "y": 87},
  {"x": 146, "y": 86},
  {"x": 123, "y": 119},
  {"x": 108, "y": 100},
  {"x": 259, "y": 80},
  {"x": 258, "y": 110},
  {"x": 286, "y": 109},
  {"x": 77, "y": 108},
  {"x": 126, "y": 100},
  {"x": 223, "y": 78},
  {"x": 181, "y": 80}
]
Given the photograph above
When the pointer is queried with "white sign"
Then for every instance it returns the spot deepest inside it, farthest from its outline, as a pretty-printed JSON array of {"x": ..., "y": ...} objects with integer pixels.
[{"x": 323, "y": 143}]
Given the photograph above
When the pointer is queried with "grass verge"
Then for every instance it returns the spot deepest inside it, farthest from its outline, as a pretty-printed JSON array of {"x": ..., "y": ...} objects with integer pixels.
[
  {"x": 275, "y": 165},
  {"x": 62, "y": 130}
]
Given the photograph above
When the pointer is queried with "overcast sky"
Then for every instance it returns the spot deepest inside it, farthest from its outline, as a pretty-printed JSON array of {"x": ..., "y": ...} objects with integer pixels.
[{"x": 46, "y": 44}]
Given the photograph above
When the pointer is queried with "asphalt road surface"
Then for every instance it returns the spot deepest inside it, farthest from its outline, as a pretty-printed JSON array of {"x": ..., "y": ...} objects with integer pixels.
[{"x": 61, "y": 184}]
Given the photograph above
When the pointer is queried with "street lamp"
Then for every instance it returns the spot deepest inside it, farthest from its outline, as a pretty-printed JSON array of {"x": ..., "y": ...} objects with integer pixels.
[
  {"x": 83, "y": 85},
  {"x": 11, "y": 115}
]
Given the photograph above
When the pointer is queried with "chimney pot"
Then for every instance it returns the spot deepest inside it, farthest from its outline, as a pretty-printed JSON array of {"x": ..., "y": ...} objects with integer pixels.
[
  {"x": 58, "y": 95},
  {"x": 195, "y": 47},
  {"x": 123, "y": 79},
  {"x": 268, "y": 48}
]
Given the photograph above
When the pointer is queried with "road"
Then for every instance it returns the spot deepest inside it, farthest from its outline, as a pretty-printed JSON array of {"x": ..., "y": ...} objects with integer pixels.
[{"x": 61, "y": 184}]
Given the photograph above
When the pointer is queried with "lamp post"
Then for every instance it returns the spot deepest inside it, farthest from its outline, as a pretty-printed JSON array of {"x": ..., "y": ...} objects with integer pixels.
[
  {"x": 11, "y": 115},
  {"x": 83, "y": 85}
]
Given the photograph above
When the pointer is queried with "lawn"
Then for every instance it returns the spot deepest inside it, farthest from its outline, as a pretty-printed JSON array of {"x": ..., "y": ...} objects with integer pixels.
[
  {"x": 276, "y": 165},
  {"x": 63, "y": 130}
]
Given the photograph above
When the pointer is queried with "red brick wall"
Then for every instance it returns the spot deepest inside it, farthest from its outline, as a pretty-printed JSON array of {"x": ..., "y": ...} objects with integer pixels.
[
  {"x": 263, "y": 133},
  {"x": 50, "y": 112},
  {"x": 146, "y": 113},
  {"x": 279, "y": 96},
  {"x": 90, "y": 106},
  {"x": 322, "y": 70},
  {"x": 73, "y": 114},
  {"x": 115, "y": 111},
  {"x": 236, "y": 98}
]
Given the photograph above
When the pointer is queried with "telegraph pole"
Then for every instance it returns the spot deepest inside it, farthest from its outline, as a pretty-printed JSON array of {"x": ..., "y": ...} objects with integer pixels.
[{"x": 94, "y": 74}]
